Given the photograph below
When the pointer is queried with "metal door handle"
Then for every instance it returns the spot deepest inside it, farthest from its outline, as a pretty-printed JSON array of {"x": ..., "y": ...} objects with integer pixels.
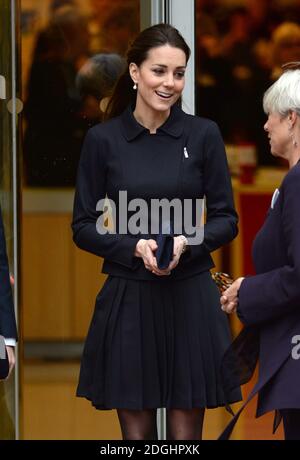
[{"x": 2, "y": 87}]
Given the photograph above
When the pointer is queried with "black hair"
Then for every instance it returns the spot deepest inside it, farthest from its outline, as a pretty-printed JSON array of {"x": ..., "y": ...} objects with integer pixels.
[{"x": 152, "y": 37}]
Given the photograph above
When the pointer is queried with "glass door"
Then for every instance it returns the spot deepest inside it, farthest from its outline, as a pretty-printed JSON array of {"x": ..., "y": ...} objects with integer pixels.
[
  {"x": 9, "y": 108},
  {"x": 72, "y": 54}
]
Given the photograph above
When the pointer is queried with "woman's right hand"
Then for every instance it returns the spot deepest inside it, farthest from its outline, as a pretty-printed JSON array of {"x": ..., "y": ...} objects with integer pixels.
[
  {"x": 230, "y": 298},
  {"x": 145, "y": 249}
]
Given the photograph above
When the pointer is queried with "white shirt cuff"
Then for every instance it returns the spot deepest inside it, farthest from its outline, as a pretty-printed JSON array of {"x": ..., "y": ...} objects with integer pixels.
[{"x": 10, "y": 342}]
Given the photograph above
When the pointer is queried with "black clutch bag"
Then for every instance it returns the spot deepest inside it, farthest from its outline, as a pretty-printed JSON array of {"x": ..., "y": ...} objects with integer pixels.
[
  {"x": 164, "y": 252},
  {"x": 4, "y": 363},
  {"x": 165, "y": 245},
  {"x": 222, "y": 280}
]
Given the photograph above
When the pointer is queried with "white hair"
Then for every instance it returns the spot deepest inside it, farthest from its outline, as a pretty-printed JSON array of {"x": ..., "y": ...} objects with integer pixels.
[{"x": 284, "y": 94}]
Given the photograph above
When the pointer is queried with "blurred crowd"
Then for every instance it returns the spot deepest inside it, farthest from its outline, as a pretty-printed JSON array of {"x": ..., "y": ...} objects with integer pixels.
[
  {"x": 240, "y": 51},
  {"x": 77, "y": 59}
]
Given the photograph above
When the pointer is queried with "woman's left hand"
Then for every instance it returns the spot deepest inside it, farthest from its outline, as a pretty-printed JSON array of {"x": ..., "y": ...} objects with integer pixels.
[
  {"x": 179, "y": 245},
  {"x": 229, "y": 299}
]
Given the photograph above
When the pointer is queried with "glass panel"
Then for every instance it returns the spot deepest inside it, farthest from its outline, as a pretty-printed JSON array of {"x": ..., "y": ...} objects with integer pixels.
[
  {"x": 8, "y": 423},
  {"x": 72, "y": 53}
]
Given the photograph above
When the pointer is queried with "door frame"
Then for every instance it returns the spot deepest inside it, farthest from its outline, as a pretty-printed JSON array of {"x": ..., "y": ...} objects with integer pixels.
[
  {"x": 180, "y": 14},
  {"x": 10, "y": 10}
]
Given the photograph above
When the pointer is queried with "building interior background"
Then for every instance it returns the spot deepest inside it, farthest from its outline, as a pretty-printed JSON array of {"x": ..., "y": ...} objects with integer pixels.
[{"x": 70, "y": 55}]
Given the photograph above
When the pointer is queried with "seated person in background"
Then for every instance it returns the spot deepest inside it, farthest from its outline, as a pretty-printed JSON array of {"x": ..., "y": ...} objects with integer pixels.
[
  {"x": 286, "y": 46},
  {"x": 95, "y": 81}
]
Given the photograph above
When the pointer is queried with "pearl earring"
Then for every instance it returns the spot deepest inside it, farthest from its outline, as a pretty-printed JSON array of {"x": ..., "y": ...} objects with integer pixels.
[{"x": 135, "y": 86}]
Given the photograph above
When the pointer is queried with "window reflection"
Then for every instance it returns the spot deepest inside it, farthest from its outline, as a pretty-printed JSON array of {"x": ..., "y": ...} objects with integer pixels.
[
  {"x": 72, "y": 54},
  {"x": 67, "y": 38}
]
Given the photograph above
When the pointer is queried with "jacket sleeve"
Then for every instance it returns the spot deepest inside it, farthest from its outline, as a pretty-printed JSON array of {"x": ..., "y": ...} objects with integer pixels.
[
  {"x": 8, "y": 326},
  {"x": 269, "y": 295},
  {"x": 221, "y": 218},
  {"x": 90, "y": 188}
]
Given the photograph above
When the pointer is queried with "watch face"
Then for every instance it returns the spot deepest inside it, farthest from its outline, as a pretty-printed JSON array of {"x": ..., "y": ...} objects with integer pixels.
[{"x": 4, "y": 364}]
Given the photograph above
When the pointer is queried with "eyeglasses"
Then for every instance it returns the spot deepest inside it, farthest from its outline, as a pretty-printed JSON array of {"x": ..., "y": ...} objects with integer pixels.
[{"x": 294, "y": 65}]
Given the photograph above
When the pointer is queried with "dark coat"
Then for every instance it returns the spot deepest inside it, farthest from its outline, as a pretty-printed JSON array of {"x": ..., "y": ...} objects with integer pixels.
[
  {"x": 121, "y": 154},
  {"x": 185, "y": 158},
  {"x": 269, "y": 303},
  {"x": 7, "y": 316}
]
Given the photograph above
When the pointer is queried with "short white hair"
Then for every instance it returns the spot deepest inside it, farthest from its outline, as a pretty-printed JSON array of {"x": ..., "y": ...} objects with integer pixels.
[{"x": 284, "y": 94}]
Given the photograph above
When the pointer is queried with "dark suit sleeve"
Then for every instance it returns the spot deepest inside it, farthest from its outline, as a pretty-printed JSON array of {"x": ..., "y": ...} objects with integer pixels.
[
  {"x": 221, "y": 218},
  {"x": 7, "y": 315},
  {"x": 90, "y": 188},
  {"x": 269, "y": 295}
]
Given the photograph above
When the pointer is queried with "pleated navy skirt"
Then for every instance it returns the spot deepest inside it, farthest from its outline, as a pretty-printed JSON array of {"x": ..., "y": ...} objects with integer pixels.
[{"x": 154, "y": 344}]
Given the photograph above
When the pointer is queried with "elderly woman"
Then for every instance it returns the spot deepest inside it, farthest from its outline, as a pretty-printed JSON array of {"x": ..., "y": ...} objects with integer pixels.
[{"x": 269, "y": 303}]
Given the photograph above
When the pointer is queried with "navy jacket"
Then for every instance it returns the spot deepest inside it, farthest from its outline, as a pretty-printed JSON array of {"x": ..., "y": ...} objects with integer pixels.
[
  {"x": 120, "y": 154},
  {"x": 7, "y": 315},
  {"x": 269, "y": 304}
]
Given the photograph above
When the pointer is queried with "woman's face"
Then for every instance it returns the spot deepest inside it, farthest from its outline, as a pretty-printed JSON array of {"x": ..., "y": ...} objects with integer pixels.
[
  {"x": 279, "y": 136},
  {"x": 160, "y": 78}
]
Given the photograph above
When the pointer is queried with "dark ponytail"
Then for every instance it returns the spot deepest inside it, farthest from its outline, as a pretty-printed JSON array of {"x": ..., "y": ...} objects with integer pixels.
[
  {"x": 152, "y": 37},
  {"x": 123, "y": 95}
]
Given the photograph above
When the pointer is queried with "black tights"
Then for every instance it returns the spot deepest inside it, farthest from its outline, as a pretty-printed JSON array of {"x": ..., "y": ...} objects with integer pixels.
[
  {"x": 181, "y": 424},
  {"x": 291, "y": 424}
]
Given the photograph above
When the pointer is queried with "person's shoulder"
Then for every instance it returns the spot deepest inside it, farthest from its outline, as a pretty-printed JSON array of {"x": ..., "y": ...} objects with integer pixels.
[
  {"x": 292, "y": 178},
  {"x": 204, "y": 125},
  {"x": 290, "y": 186},
  {"x": 104, "y": 128}
]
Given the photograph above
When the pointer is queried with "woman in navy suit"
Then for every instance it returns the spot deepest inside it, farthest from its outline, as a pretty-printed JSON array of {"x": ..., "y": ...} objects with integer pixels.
[
  {"x": 157, "y": 334},
  {"x": 269, "y": 303}
]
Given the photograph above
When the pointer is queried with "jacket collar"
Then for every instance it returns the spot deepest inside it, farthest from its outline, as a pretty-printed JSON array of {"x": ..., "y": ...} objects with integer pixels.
[{"x": 173, "y": 126}]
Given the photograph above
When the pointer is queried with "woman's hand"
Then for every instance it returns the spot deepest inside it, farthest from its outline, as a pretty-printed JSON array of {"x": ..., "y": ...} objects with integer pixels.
[
  {"x": 229, "y": 299},
  {"x": 11, "y": 359},
  {"x": 146, "y": 250},
  {"x": 180, "y": 243}
]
